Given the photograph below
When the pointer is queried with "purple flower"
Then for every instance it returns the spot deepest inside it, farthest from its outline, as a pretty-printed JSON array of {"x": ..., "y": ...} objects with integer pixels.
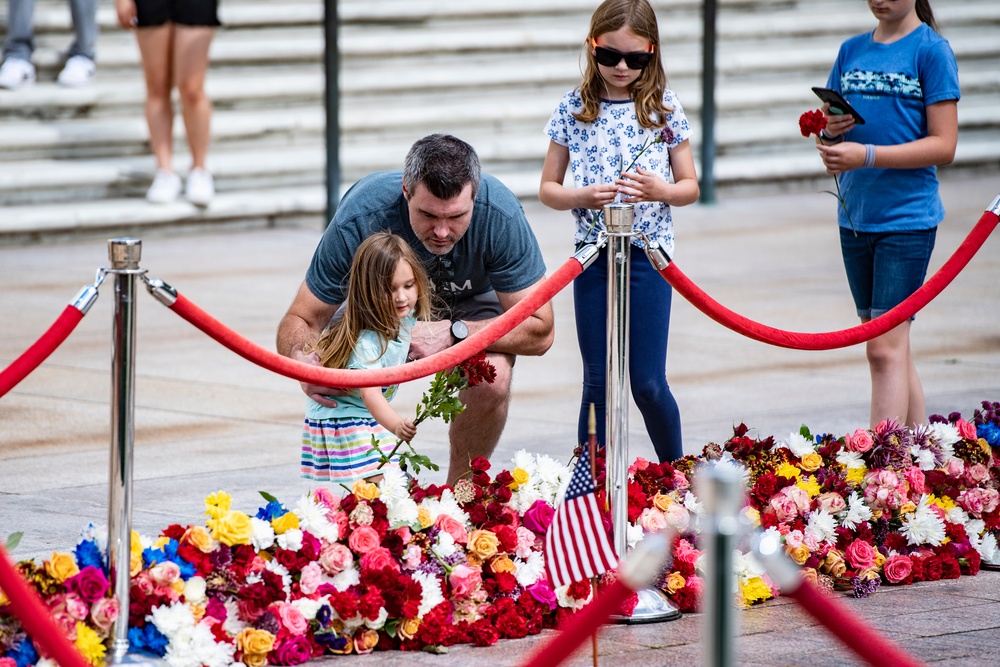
[{"x": 863, "y": 586}]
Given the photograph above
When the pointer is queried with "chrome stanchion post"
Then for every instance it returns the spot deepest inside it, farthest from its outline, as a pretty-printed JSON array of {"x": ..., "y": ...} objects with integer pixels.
[
  {"x": 653, "y": 605},
  {"x": 720, "y": 489},
  {"x": 124, "y": 254}
]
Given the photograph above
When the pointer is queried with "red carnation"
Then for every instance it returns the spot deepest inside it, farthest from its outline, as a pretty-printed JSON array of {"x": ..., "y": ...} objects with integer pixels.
[{"x": 812, "y": 122}]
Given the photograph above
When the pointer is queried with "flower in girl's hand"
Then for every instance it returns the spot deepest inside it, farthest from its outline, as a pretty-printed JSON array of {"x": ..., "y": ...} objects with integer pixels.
[
  {"x": 664, "y": 136},
  {"x": 812, "y": 123},
  {"x": 441, "y": 400}
]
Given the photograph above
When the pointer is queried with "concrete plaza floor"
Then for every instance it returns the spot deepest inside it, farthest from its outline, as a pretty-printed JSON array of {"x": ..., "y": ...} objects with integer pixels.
[{"x": 207, "y": 420}]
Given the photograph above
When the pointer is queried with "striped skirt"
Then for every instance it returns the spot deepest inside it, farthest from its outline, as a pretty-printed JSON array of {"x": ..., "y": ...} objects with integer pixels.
[{"x": 340, "y": 450}]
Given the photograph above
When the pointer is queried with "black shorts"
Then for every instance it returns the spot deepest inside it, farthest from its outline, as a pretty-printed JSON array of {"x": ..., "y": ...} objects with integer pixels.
[{"x": 183, "y": 12}]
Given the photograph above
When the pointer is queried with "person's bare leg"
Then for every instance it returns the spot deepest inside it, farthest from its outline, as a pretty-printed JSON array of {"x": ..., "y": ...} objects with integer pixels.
[
  {"x": 155, "y": 45},
  {"x": 476, "y": 431},
  {"x": 916, "y": 412},
  {"x": 890, "y": 366},
  {"x": 191, "y": 46}
]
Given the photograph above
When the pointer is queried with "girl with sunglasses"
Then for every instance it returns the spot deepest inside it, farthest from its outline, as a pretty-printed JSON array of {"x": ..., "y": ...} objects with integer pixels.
[
  {"x": 625, "y": 137},
  {"x": 902, "y": 77}
]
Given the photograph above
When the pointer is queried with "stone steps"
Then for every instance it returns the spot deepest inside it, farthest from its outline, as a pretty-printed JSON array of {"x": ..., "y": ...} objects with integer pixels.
[{"x": 489, "y": 71}]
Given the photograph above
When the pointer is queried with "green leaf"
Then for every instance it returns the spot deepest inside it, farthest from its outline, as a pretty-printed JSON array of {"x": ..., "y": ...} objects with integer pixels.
[
  {"x": 14, "y": 540},
  {"x": 439, "y": 650},
  {"x": 804, "y": 432},
  {"x": 267, "y": 496}
]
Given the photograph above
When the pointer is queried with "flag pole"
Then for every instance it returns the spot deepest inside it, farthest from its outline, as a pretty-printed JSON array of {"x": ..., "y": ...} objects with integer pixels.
[{"x": 592, "y": 446}]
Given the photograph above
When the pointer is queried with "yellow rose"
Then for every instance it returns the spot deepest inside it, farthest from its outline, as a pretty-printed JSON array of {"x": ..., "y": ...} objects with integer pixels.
[
  {"x": 473, "y": 560},
  {"x": 408, "y": 628},
  {"x": 811, "y": 462},
  {"x": 675, "y": 582},
  {"x": 907, "y": 508},
  {"x": 61, "y": 566},
  {"x": 879, "y": 559},
  {"x": 662, "y": 501},
  {"x": 254, "y": 641},
  {"x": 424, "y": 517},
  {"x": 135, "y": 562},
  {"x": 752, "y": 515},
  {"x": 255, "y": 659},
  {"x": 834, "y": 564},
  {"x": 809, "y": 574},
  {"x": 217, "y": 504},
  {"x": 284, "y": 523},
  {"x": 365, "y": 641},
  {"x": 232, "y": 528},
  {"x": 365, "y": 490},
  {"x": 502, "y": 563},
  {"x": 483, "y": 543},
  {"x": 520, "y": 476},
  {"x": 799, "y": 554},
  {"x": 199, "y": 538},
  {"x": 348, "y": 648}
]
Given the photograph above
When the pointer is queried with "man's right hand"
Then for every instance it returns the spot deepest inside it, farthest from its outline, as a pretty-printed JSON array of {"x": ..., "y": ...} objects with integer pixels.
[{"x": 316, "y": 392}]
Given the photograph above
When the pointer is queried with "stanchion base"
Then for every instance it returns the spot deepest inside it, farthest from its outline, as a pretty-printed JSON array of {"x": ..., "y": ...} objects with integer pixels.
[
  {"x": 653, "y": 607},
  {"x": 135, "y": 660},
  {"x": 989, "y": 566}
]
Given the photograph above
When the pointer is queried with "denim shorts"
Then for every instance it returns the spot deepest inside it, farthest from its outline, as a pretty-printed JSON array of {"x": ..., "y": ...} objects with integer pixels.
[
  {"x": 183, "y": 12},
  {"x": 883, "y": 268}
]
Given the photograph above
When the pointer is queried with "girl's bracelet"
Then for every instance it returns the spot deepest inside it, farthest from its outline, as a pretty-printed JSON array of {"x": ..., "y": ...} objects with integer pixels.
[
  {"x": 869, "y": 156},
  {"x": 826, "y": 137}
]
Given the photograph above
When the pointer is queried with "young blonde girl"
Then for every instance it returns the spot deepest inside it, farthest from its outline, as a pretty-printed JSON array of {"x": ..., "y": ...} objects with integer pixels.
[
  {"x": 388, "y": 291},
  {"x": 902, "y": 78},
  {"x": 625, "y": 137}
]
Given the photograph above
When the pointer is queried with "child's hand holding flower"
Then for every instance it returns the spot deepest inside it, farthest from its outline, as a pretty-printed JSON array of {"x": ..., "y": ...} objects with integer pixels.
[{"x": 406, "y": 430}]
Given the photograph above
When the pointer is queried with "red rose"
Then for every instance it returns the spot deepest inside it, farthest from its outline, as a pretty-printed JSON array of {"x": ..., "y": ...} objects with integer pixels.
[{"x": 480, "y": 464}]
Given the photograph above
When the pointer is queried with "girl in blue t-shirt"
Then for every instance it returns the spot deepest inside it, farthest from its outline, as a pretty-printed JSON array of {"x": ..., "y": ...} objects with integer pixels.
[
  {"x": 388, "y": 290},
  {"x": 625, "y": 138},
  {"x": 901, "y": 78}
]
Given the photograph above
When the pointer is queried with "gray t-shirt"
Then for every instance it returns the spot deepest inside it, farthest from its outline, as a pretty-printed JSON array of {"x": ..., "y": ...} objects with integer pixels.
[{"x": 497, "y": 252}]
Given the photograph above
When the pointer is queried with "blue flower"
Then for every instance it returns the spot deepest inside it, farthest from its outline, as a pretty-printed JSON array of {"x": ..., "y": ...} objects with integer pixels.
[
  {"x": 990, "y": 433},
  {"x": 271, "y": 511},
  {"x": 24, "y": 654},
  {"x": 88, "y": 553},
  {"x": 148, "y": 639}
]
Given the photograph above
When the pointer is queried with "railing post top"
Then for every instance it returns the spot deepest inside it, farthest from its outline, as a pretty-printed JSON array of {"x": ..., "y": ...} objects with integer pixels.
[
  {"x": 124, "y": 253},
  {"x": 618, "y": 218}
]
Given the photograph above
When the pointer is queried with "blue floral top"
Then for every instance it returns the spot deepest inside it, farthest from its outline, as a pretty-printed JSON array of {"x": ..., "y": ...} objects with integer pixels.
[{"x": 599, "y": 151}]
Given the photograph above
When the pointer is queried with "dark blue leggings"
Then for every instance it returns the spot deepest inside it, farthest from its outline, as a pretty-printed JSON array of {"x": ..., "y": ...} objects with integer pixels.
[{"x": 649, "y": 324}]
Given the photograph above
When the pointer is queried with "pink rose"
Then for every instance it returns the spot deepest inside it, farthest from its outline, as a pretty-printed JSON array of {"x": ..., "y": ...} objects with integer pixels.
[
  {"x": 453, "y": 527},
  {"x": 978, "y": 501},
  {"x": 363, "y": 539},
  {"x": 325, "y": 497},
  {"x": 404, "y": 533},
  {"x": 310, "y": 578},
  {"x": 72, "y": 604},
  {"x": 293, "y": 651},
  {"x": 144, "y": 583},
  {"x": 884, "y": 490},
  {"x": 105, "y": 612},
  {"x": 955, "y": 467},
  {"x": 860, "y": 441},
  {"x": 915, "y": 478},
  {"x": 966, "y": 430},
  {"x": 525, "y": 542},
  {"x": 538, "y": 517},
  {"x": 681, "y": 481},
  {"x": 464, "y": 580},
  {"x": 66, "y": 623},
  {"x": 860, "y": 555},
  {"x": 341, "y": 521},
  {"x": 89, "y": 583},
  {"x": 292, "y": 619},
  {"x": 335, "y": 558},
  {"x": 793, "y": 539},
  {"x": 652, "y": 520},
  {"x": 897, "y": 568},
  {"x": 165, "y": 573},
  {"x": 412, "y": 556},
  {"x": 378, "y": 559},
  {"x": 542, "y": 591},
  {"x": 789, "y": 503},
  {"x": 977, "y": 473},
  {"x": 640, "y": 464},
  {"x": 831, "y": 501}
]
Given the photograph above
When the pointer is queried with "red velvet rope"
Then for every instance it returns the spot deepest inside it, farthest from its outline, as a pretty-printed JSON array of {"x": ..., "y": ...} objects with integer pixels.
[
  {"x": 836, "y": 617},
  {"x": 845, "y": 337},
  {"x": 40, "y": 351},
  {"x": 35, "y": 617},
  {"x": 341, "y": 378}
]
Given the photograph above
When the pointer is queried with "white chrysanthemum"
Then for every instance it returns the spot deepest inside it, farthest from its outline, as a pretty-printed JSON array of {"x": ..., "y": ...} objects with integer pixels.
[
  {"x": 850, "y": 460},
  {"x": 173, "y": 619},
  {"x": 957, "y": 515},
  {"x": 530, "y": 569},
  {"x": 522, "y": 499},
  {"x": 430, "y": 591},
  {"x": 402, "y": 512},
  {"x": 291, "y": 539},
  {"x": 46, "y": 662},
  {"x": 923, "y": 458},
  {"x": 633, "y": 535},
  {"x": 974, "y": 530},
  {"x": 745, "y": 566},
  {"x": 282, "y": 571},
  {"x": 693, "y": 505},
  {"x": 307, "y": 607},
  {"x": 525, "y": 461},
  {"x": 822, "y": 526},
  {"x": 312, "y": 517},
  {"x": 923, "y": 526},
  {"x": 856, "y": 513},
  {"x": 445, "y": 544},
  {"x": 346, "y": 579},
  {"x": 394, "y": 485},
  {"x": 207, "y": 651},
  {"x": 232, "y": 625},
  {"x": 551, "y": 478},
  {"x": 263, "y": 534},
  {"x": 727, "y": 461},
  {"x": 379, "y": 621},
  {"x": 445, "y": 505},
  {"x": 797, "y": 444},
  {"x": 946, "y": 435},
  {"x": 988, "y": 549}
]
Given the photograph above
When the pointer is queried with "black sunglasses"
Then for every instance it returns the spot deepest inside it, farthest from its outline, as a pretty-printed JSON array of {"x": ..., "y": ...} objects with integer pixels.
[{"x": 611, "y": 57}]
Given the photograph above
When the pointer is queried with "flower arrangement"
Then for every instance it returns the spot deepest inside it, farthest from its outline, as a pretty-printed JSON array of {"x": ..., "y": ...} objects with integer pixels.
[
  {"x": 400, "y": 566},
  {"x": 811, "y": 123}
]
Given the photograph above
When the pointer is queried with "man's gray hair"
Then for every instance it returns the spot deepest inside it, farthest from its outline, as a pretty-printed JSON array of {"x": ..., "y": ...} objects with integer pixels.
[{"x": 444, "y": 164}]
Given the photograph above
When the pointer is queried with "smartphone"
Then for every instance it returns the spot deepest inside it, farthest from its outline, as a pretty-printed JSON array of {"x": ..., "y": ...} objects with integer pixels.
[{"x": 838, "y": 105}]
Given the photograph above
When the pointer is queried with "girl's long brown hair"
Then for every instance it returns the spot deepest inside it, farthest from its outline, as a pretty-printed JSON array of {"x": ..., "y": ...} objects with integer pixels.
[
  {"x": 926, "y": 14},
  {"x": 647, "y": 91},
  {"x": 369, "y": 298}
]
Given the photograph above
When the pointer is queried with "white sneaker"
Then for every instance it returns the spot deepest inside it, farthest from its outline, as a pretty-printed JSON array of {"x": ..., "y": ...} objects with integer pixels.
[
  {"x": 166, "y": 187},
  {"x": 200, "y": 187},
  {"x": 16, "y": 73},
  {"x": 79, "y": 71}
]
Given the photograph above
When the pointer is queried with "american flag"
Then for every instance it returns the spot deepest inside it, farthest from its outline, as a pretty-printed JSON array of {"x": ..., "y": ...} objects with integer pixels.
[{"x": 576, "y": 543}]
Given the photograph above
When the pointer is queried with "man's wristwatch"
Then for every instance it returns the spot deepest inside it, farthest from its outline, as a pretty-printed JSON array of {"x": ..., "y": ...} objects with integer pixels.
[{"x": 459, "y": 330}]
